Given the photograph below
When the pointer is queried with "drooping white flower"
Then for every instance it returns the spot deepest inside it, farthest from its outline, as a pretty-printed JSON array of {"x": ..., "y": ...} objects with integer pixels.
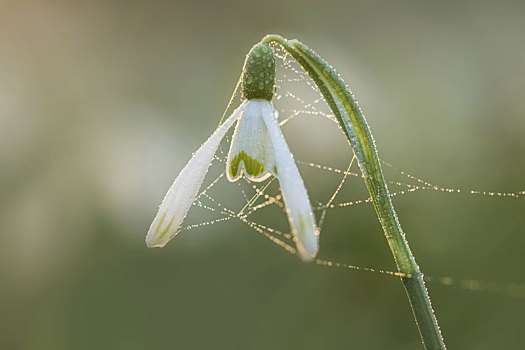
[{"x": 258, "y": 150}]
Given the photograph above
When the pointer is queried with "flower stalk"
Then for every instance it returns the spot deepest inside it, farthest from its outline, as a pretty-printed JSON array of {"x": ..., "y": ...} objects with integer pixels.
[{"x": 351, "y": 119}]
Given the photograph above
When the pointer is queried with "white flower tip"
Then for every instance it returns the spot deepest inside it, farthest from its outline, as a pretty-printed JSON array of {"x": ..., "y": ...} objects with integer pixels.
[
  {"x": 308, "y": 244},
  {"x": 152, "y": 243},
  {"x": 161, "y": 231},
  {"x": 306, "y": 236}
]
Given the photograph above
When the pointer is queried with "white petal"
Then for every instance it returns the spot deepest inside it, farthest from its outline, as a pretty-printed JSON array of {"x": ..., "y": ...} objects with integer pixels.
[
  {"x": 251, "y": 151},
  {"x": 182, "y": 193},
  {"x": 298, "y": 207}
]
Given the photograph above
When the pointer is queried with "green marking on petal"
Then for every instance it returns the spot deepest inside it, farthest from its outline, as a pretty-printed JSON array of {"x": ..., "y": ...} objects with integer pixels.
[
  {"x": 251, "y": 165},
  {"x": 163, "y": 233},
  {"x": 160, "y": 223},
  {"x": 302, "y": 225},
  {"x": 275, "y": 170}
]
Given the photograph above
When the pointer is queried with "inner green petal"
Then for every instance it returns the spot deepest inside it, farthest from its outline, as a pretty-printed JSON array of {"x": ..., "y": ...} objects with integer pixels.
[{"x": 252, "y": 166}]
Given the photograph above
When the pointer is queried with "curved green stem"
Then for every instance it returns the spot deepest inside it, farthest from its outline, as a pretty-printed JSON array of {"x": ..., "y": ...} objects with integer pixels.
[{"x": 349, "y": 115}]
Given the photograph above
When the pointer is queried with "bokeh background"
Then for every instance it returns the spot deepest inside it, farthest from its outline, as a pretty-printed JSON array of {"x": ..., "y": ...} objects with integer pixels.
[{"x": 102, "y": 103}]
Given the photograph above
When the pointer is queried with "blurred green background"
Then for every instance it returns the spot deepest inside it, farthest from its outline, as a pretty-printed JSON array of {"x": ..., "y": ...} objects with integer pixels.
[{"x": 102, "y": 103}]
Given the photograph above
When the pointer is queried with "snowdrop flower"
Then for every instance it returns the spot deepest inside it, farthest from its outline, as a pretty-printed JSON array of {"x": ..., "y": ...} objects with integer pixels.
[{"x": 258, "y": 150}]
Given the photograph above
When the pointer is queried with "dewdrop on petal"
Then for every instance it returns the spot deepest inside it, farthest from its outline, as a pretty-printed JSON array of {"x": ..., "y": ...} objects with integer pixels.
[{"x": 258, "y": 150}]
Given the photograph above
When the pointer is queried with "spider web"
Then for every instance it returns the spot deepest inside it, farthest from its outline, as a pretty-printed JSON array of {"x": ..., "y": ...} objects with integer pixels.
[{"x": 252, "y": 198}]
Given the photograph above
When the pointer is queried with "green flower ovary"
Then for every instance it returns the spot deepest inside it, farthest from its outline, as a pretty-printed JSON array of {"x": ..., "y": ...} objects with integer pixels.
[
  {"x": 258, "y": 78},
  {"x": 251, "y": 165}
]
